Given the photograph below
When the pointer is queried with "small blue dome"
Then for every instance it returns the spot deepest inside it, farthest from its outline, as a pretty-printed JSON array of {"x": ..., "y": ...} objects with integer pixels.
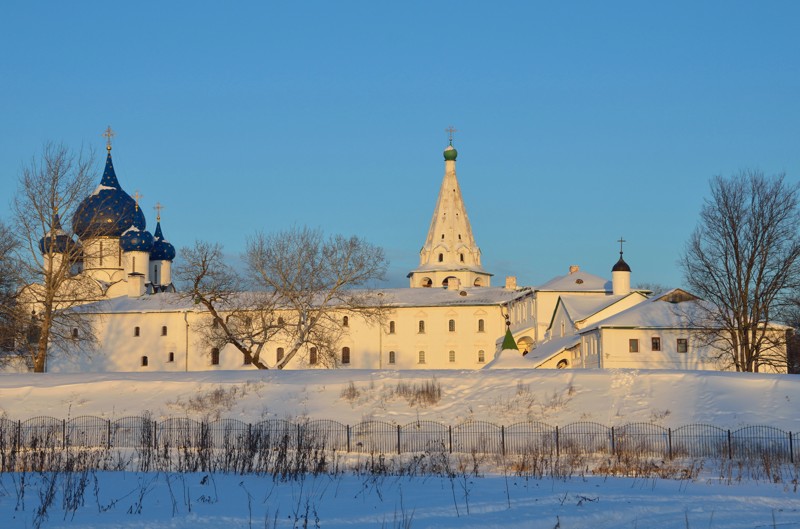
[
  {"x": 162, "y": 250},
  {"x": 56, "y": 240},
  {"x": 136, "y": 240},
  {"x": 109, "y": 211}
]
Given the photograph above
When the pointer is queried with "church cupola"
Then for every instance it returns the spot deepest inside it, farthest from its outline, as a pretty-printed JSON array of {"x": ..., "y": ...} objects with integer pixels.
[
  {"x": 450, "y": 252},
  {"x": 55, "y": 244},
  {"x": 161, "y": 257},
  {"x": 621, "y": 275}
]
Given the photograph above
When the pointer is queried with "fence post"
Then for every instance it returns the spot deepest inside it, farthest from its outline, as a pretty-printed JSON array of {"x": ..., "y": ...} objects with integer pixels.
[
  {"x": 108, "y": 434},
  {"x": 669, "y": 442},
  {"x": 450, "y": 437},
  {"x": 298, "y": 436},
  {"x": 155, "y": 435},
  {"x": 730, "y": 448},
  {"x": 503, "y": 439},
  {"x": 791, "y": 448},
  {"x": 558, "y": 451},
  {"x": 348, "y": 437},
  {"x": 63, "y": 433},
  {"x": 398, "y": 439},
  {"x": 613, "y": 443},
  {"x": 19, "y": 434}
]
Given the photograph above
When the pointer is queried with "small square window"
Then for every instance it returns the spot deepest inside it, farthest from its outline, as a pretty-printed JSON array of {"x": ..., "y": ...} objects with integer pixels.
[{"x": 633, "y": 345}]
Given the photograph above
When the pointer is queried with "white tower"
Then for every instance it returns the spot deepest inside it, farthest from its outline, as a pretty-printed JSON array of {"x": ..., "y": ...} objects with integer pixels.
[
  {"x": 621, "y": 275},
  {"x": 450, "y": 256}
]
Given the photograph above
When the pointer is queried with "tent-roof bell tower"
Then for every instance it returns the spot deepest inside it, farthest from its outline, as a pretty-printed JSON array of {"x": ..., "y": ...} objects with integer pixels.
[{"x": 450, "y": 258}]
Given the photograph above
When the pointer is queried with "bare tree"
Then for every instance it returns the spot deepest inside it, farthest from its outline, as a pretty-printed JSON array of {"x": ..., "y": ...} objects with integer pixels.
[
  {"x": 300, "y": 286},
  {"x": 49, "y": 190},
  {"x": 743, "y": 259},
  {"x": 9, "y": 288}
]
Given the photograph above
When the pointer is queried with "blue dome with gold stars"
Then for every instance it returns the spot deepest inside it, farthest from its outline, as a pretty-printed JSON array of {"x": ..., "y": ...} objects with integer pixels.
[
  {"x": 162, "y": 250},
  {"x": 109, "y": 210},
  {"x": 136, "y": 240},
  {"x": 56, "y": 240}
]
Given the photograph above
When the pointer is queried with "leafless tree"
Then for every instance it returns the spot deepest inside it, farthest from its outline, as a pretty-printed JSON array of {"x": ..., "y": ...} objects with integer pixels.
[
  {"x": 743, "y": 259},
  {"x": 49, "y": 190},
  {"x": 8, "y": 292},
  {"x": 297, "y": 288}
]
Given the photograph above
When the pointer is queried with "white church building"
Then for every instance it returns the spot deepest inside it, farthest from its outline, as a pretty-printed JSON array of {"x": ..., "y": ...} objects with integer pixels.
[{"x": 450, "y": 317}]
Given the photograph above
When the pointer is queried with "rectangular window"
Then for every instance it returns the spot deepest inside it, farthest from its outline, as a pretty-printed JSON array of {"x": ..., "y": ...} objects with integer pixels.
[
  {"x": 451, "y": 325},
  {"x": 481, "y": 357},
  {"x": 136, "y": 331},
  {"x": 391, "y": 327},
  {"x": 655, "y": 343},
  {"x": 164, "y": 330},
  {"x": 481, "y": 326},
  {"x": 422, "y": 357},
  {"x": 392, "y": 357},
  {"x": 312, "y": 356},
  {"x": 633, "y": 345},
  {"x": 171, "y": 357},
  {"x": 452, "y": 356},
  {"x": 279, "y": 354},
  {"x": 683, "y": 345},
  {"x": 345, "y": 355},
  {"x": 422, "y": 326}
]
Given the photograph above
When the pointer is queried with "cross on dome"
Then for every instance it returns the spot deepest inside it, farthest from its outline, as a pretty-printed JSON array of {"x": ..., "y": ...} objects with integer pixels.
[
  {"x": 450, "y": 130},
  {"x": 620, "y": 241},
  {"x": 136, "y": 197},
  {"x": 158, "y": 207},
  {"x": 108, "y": 134}
]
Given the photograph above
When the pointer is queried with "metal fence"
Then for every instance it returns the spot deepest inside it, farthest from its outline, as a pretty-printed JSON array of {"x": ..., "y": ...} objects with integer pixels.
[{"x": 580, "y": 438}]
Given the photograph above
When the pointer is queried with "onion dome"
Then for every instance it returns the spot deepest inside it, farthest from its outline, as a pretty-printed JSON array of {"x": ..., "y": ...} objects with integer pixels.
[
  {"x": 109, "y": 210},
  {"x": 621, "y": 265},
  {"x": 136, "y": 240},
  {"x": 56, "y": 240},
  {"x": 450, "y": 153},
  {"x": 162, "y": 250}
]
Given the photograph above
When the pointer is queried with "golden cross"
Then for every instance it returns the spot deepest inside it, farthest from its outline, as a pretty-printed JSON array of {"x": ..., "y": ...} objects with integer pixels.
[
  {"x": 108, "y": 134},
  {"x": 137, "y": 196},
  {"x": 450, "y": 130},
  {"x": 620, "y": 241},
  {"x": 158, "y": 207}
]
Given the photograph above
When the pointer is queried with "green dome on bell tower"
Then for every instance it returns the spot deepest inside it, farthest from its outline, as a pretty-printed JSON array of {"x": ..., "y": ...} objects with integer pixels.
[{"x": 450, "y": 153}]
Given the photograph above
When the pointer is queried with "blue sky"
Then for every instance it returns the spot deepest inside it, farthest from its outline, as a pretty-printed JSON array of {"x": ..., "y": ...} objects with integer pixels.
[{"x": 579, "y": 122}]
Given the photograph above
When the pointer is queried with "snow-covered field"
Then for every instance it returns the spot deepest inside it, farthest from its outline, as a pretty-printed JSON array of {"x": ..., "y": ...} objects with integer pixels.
[{"x": 712, "y": 498}]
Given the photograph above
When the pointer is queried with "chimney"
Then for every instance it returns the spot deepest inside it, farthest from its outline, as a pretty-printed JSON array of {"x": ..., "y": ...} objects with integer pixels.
[
  {"x": 136, "y": 285},
  {"x": 574, "y": 268},
  {"x": 453, "y": 284},
  {"x": 511, "y": 282}
]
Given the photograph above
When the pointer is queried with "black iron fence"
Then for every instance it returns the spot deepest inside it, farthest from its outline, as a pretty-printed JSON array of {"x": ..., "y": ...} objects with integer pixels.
[{"x": 581, "y": 438}]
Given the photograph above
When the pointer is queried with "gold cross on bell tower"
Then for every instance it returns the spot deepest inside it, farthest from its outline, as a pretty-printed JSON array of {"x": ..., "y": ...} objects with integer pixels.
[
  {"x": 108, "y": 134},
  {"x": 158, "y": 207},
  {"x": 450, "y": 130}
]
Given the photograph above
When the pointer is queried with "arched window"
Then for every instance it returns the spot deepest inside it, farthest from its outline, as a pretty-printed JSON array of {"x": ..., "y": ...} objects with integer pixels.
[
  {"x": 392, "y": 357},
  {"x": 441, "y": 257},
  {"x": 422, "y": 357},
  {"x": 451, "y": 325},
  {"x": 477, "y": 282},
  {"x": 562, "y": 364},
  {"x": 215, "y": 356},
  {"x": 164, "y": 330},
  {"x": 427, "y": 282},
  {"x": 345, "y": 355},
  {"x": 481, "y": 356},
  {"x": 391, "y": 327},
  {"x": 136, "y": 331},
  {"x": 345, "y": 322},
  {"x": 421, "y": 327},
  {"x": 481, "y": 326},
  {"x": 312, "y": 356},
  {"x": 144, "y": 361},
  {"x": 171, "y": 357},
  {"x": 74, "y": 333},
  {"x": 461, "y": 256},
  {"x": 279, "y": 354},
  {"x": 452, "y": 355}
]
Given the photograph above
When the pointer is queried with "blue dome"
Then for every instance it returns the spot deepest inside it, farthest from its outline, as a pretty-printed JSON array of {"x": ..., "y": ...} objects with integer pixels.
[
  {"x": 56, "y": 240},
  {"x": 136, "y": 240},
  {"x": 109, "y": 211},
  {"x": 162, "y": 250}
]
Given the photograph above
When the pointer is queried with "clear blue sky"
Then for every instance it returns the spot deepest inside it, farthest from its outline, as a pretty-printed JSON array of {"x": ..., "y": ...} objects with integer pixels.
[{"x": 579, "y": 122}]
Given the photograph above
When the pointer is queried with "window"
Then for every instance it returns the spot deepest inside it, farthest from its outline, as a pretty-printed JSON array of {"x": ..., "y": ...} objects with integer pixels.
[
  {"x": 279, "y": 354},
  {"x": 214, "y": 356},
  {"x": 422, "y": 326},
  {"x": 422, "y": 357},
  {"x": 345, "y": 322},
  {"x": 461, "y": 256},
  {"x": 144, "y": 361},
  {"x": 392, "y": 357},
  {"x": 280, "y": 320},
  {"x": 391, "y": 327},
  {"x": 633, "y": 345},
  {"x": 312, "y": 356},
  {"x": 345, "y": 355},
  {"x": 481, "y": 356},
  {"x": 451, "y": 325},
  {"x": 171, "y": 357},
  {"x": 136, "y": 331},
  {"x": 683, "y": 345},
  {"x": 74, "y": 333},
  {"x": 481, "y": 326},
  {"x": 562, "y": 364},
  {"x": 248, "y": 360},
  {"x": 452, "y": 355},
  {"x": 164, "y": 330},
  {"x": 563, "y": 328},
  {"x": 655, "y": 343},
  {"x": 441, "y": 257},
  {"x": 443, "y": 236},
  {"x": 155, "y": 277}
]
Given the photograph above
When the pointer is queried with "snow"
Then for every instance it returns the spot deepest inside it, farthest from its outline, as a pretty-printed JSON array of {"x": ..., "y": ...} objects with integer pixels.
[{"x": 496, "y": 498}]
